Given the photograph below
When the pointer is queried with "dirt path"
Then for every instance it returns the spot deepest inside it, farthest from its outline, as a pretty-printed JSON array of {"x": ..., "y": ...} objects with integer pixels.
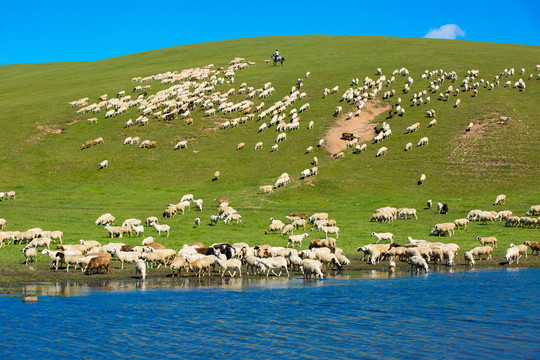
[{"x": 358, "y": 125}]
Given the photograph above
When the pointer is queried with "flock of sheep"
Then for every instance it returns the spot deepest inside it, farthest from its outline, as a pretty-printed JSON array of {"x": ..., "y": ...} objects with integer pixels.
[
  {"x": 321, "y": 254},
  {"x": 91, "y": 256},
  {"x": 193, "y": 91}
]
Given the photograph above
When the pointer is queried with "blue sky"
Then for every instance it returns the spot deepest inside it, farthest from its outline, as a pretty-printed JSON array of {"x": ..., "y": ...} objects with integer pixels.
[{"x": 58, "y": 31}]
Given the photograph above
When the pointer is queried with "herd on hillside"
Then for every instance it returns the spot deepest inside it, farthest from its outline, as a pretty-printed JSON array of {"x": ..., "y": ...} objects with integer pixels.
[{"x": 194, "y": 90}]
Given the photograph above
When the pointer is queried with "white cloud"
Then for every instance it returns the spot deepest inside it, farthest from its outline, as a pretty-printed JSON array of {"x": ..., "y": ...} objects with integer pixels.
[{"x": 448, "y": 31}]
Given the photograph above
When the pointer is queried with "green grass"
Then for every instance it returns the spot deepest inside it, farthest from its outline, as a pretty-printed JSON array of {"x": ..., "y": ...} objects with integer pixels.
[{"x": 59, "y": 187}]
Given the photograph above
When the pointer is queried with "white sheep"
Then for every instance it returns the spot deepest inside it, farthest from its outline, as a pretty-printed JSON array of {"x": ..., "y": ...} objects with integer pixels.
[
  {"x": 408, "y": 146},
  {"x": 423, "y": 141},
  {"x": 138, "y": 229},
  {"x": 258, "y": 146},
  {"x": 281, "y": 137},
  {"x": 275, "y": 263},
  {"x": 230, "y": 265},
  {"x": 418, "y": 263},
  {"x": 296, "y": 239},
  {"x": 140, "y": 269},
  {"x": 126, "y": 256},
  {"x": 29, "y": 253},
  {"x": 148, "y": 241},
  {"x": 181, "y": 145},
  {"x": 382, "y": 151},
  {"x": 422, "y": 179},
  {"x": 500, "y": 200},
  {"x": 330, "y": 230},
  {"x": 104, "y": 164},
  {"x": 512, "y": 254},
  {"x": 383, "y": 236},
  {"x": 310, "y": 268},
  {"x": 161, "y": 228}
]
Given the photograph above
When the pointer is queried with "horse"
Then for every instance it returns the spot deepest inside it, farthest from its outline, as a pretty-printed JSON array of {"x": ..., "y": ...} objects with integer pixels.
[{"x": 277, "y": 59}]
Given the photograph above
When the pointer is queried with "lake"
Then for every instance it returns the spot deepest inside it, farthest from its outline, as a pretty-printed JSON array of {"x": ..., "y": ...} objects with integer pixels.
[{"x": 455, "y": 315}]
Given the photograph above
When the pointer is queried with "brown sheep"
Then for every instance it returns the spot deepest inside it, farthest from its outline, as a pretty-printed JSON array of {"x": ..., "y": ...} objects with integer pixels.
[
  {"x": 203, "y": 265},
  {"x": 98, "y": 263},
  {"x": 534, "y": 245},
  {"x": 318, "y": 243},
  {"x": 301, "y": 215},
  {"x": 157, "y": 246},
  {"x": 87, "y": 144},
  {"x": 152, "y": 145}
]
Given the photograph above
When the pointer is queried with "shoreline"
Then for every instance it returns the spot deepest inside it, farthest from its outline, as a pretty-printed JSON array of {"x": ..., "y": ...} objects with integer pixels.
[{"x": 358, "y": 269}]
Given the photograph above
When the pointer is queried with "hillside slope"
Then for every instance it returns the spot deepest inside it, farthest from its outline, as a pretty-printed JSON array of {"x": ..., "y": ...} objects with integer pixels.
[{"x": 59, "y": 185}]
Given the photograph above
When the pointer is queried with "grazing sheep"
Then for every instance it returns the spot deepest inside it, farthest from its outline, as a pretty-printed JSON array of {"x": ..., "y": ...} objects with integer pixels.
[
  {"x": 482, "y": 250},
  {"x": 181, "y": 145},
  {"x": 240, "y": 146},
  {"x": 504, "y": 215},
  {"x": 87, "y": 144},
  {"x": 461, "y": 222},
  {"x": 98, "y": 263},
  {"x": 500, "y": 200},
  {"x": 414, "y": 127},
  {"x": 148, "y": 241},
  {"x": 423, "y": 141},
  {"x": 484, "y": 217},
  {"x": 289, "y": 228},
  {"x": 472, "y": 214},
  {"x": 444, "y": 228},
  {"x": 422, "y": 179},
  {"x": 216, "y": 175},
  {"x": 533, "y": 210},
  {"x": 522, "y": 249},
  {"x": 512, "y": 254},
  {"x": 429, "y": 204},
  {"x": 382, "y": 151},
  {"x": 408, "y": 146},
  {"x": 487, "y": 240},
  {"x": 258, "y": 145}
]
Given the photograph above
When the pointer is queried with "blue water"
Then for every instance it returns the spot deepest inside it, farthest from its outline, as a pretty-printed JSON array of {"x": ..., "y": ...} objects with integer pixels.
[{"x": 463, "y": 315}]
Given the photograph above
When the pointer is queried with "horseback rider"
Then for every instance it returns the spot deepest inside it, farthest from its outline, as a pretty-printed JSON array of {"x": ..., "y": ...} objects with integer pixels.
[{"x": 276, "y": 54}]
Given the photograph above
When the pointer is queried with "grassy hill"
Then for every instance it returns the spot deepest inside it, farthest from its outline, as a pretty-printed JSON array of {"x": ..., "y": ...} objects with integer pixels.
[{"x": 59, "y": 186}]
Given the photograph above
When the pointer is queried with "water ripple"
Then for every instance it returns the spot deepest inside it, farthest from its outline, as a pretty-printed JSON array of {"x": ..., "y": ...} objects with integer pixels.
[{"x": 493, "y": 314}]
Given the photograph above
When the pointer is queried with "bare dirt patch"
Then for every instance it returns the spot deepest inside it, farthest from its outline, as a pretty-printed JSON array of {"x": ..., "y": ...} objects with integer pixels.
[{"x": 358, "y": 125}]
